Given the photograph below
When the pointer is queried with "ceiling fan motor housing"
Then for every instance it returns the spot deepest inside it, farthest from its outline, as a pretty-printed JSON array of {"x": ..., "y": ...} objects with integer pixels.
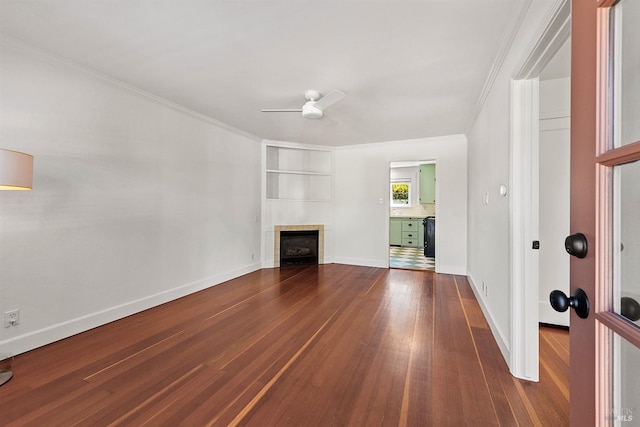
[
  {"x": 313, "y": 108},
  {"x": 310, "y": 111}
]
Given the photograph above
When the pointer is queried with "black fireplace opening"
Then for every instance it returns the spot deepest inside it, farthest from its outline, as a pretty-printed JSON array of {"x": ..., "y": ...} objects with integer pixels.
[{"x": 298, "y": 247}]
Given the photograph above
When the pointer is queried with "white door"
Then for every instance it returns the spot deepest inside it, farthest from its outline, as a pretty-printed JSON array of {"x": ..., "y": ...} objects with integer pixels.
[{"x": 554, "y": 192}]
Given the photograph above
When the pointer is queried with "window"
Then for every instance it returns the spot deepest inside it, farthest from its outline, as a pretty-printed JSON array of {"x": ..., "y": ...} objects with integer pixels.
[{"x": 401, "y": 193}]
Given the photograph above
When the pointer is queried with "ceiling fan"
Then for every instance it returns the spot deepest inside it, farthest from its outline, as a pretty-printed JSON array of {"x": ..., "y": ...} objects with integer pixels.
[{"x": 315, "y": 105}]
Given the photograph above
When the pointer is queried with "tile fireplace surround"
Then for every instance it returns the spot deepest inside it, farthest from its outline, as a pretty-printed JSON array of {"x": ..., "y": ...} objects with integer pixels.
[{"x": 276, "y": 240}]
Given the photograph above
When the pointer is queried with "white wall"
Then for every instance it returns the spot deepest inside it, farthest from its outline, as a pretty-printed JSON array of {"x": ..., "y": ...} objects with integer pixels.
[
  {"x": 361, "y": 207},
  {"x": 489, "y": 162},
  {"x": 134, "y": 203}
]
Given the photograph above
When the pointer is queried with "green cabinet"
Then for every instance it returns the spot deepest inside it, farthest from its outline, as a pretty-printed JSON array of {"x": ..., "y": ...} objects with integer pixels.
[
  {"x": 406, "y": 232},
  {"x": 395, "y": 231},
  {"x": 427, "y": 188},
  {"x": 410, "y": 232}
]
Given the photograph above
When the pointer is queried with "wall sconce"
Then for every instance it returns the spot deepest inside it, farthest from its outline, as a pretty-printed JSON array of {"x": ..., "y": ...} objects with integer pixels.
[
  {"x": 16, "y": 170},
  {"x": 16, "y": 173}
]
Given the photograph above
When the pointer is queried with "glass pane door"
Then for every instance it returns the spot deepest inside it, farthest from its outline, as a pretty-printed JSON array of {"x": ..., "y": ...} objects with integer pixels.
[
  {"x": 626, "y": 71},
  {"x": 618, "y": 285},
  {"x": 626, "y": 246},
  {"x": 625, "y": 293},
  {"x": 626, "y": 366}
]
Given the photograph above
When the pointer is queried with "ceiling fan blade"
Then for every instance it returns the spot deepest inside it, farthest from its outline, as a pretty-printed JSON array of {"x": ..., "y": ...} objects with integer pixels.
[
  {"x": 329, "y": 121},
  {"x": 329, "y": 99},
  {"x": 282, "y": 110}
]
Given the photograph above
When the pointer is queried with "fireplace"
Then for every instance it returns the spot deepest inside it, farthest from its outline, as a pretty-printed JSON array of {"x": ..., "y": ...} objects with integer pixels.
[{"x": 298, "y": 247}]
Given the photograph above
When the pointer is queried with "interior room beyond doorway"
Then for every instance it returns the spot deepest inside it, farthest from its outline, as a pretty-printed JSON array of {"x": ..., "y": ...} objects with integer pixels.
[{"x": 412, "y": 215}]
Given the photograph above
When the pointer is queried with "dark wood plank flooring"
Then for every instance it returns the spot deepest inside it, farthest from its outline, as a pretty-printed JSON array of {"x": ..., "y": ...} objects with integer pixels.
[{"x": 329, "y": 345}]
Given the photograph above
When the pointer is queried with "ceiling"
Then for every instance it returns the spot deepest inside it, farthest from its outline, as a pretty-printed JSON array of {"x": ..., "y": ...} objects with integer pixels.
[{"x": 409, "y": 69}]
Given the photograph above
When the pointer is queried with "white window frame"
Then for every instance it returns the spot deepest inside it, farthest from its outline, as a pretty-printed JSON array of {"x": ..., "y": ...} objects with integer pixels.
[{"x": 409, "y": 188}]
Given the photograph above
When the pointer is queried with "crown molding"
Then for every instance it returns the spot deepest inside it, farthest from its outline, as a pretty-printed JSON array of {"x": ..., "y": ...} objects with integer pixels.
[
  {"x": 11, "y": 42},
  {"x": 439, "y": 139},
  {"x": 515, "y": 22},
  {"x": 549, "y": 38}
]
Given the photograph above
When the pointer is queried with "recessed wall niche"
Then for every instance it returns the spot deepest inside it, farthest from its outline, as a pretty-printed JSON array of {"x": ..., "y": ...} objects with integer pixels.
[{"x": 298, "y": 174}]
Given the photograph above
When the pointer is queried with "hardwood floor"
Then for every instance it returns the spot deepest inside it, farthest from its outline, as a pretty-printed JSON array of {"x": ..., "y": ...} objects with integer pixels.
[{"x": 329, "y": 345}]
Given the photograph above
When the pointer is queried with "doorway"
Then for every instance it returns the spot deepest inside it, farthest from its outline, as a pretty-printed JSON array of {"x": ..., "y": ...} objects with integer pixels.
[
  {"x": 527, "y": 167},
  {"x": 412, "y": 215}
]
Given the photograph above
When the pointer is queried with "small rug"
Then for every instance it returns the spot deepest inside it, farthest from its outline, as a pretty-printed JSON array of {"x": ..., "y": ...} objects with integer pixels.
[{"x": 410, "y": 259}]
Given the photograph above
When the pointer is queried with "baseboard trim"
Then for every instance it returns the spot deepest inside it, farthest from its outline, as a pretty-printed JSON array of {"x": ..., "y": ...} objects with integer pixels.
[
  {"x": 503, "y": 344},
  {"x": 32, "y": 340},
  {"x": 363, "y": 262},
  {"x": 450, "y": 269},
  {"x": 553, "y": 326},
  {"x": 548, "y": 316}
]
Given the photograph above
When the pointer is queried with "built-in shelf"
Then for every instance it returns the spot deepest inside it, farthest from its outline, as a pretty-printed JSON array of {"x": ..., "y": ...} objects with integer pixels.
[{"x": 298, "y": 174}]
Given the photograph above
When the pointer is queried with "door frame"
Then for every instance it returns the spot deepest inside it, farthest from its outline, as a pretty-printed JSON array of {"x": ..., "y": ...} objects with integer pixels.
[
  {"x": 410, "y": 163},
  {"x": 523, "y": 181}
]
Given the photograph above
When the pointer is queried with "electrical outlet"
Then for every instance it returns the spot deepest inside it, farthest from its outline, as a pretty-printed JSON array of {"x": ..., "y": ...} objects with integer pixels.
[{"x": 11, "y": 318}]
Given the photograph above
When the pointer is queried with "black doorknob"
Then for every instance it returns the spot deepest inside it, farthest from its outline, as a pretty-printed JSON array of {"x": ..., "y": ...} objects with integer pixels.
[
  {"x": 576, "y": 245},
  {"x": 579, "y": 302},
  {"x": 630, "y": 308}
]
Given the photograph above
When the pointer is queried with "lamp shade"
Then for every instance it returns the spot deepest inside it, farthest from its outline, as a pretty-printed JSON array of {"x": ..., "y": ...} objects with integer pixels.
[{"x": 16, "y": 170}]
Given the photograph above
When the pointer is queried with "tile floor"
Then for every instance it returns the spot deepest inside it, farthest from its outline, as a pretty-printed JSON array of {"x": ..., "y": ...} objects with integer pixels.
[{"x": 410, "y": 258}]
